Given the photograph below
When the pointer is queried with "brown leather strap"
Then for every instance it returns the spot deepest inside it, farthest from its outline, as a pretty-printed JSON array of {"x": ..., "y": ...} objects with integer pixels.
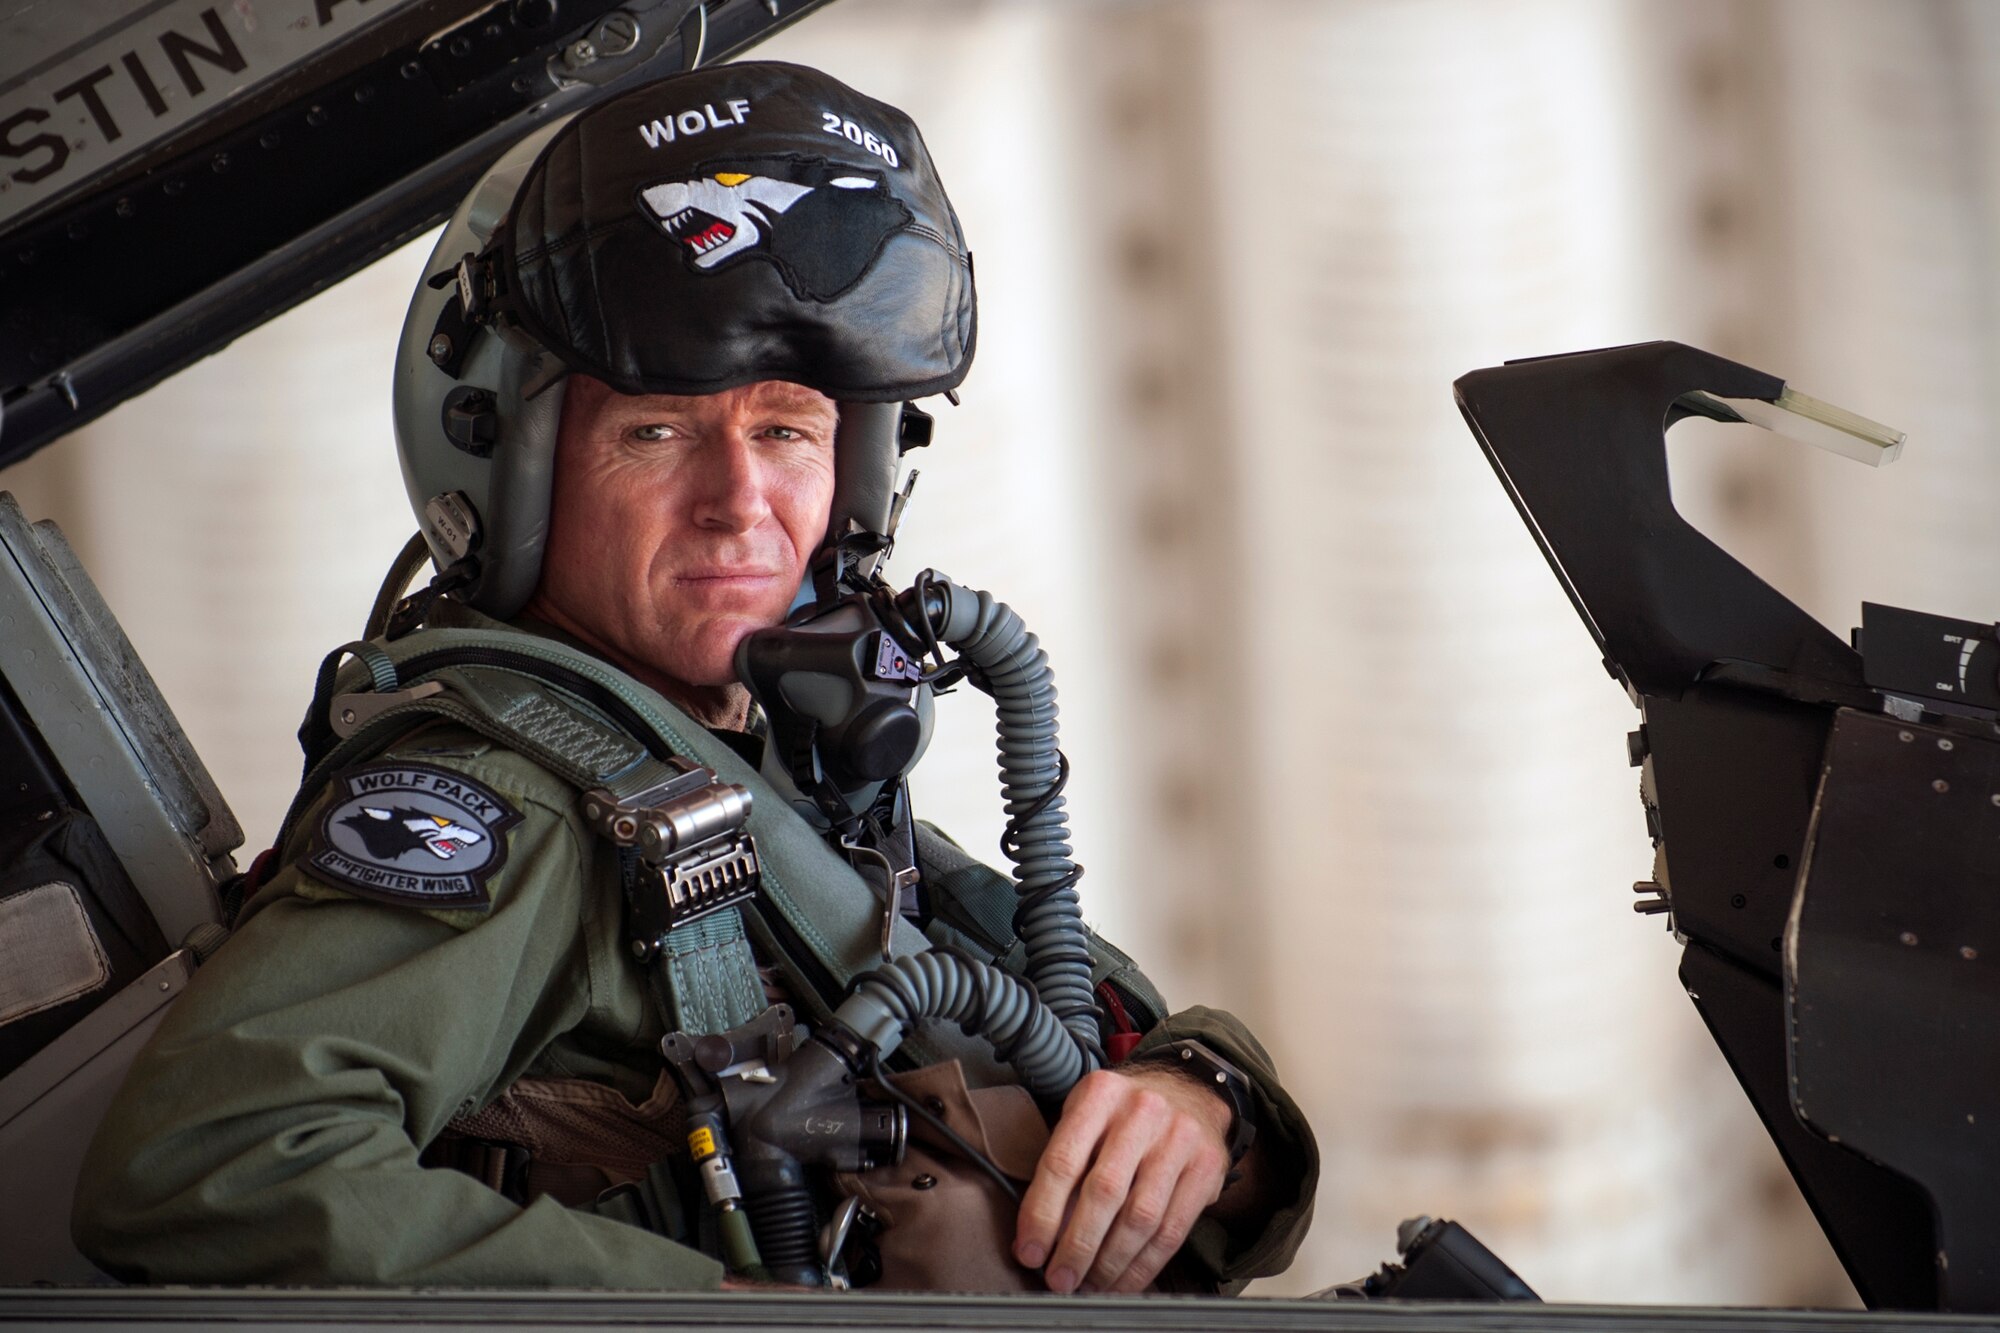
[{"x": 568, "y": 1138}]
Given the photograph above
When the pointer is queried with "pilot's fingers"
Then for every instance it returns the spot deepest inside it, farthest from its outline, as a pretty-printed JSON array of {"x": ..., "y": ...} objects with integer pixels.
[
  {"x": 1199, "y": 1186},
  {"x": 1144, "y": 1210},
  {"x": 1072, "y": 1145},
  {"x": 1143, "y": 1120}
]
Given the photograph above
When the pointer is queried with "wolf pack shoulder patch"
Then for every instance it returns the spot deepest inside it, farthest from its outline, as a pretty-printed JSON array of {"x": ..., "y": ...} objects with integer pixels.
[{"x": 412, "y": 834}]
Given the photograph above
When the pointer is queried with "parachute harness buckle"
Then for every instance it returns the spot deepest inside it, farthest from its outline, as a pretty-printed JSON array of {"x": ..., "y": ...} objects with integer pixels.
[{"x": 694, "y": 853}]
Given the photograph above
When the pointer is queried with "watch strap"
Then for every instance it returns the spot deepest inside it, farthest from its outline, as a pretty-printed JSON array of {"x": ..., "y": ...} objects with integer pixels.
[{"x": 1219, "y": 1076}]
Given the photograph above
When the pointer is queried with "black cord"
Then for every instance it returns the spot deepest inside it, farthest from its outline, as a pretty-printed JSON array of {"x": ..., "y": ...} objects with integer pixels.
[
  {"x": 410, "y": 612},
  {"x": 1030, "y": 899},
  {"x": 1010, "y": 845},
  {"x": 921, "y": 628},
  {"x": 926, "y": 579},
  {"x": 1010, "y": 836},
  {"x": 919, "y": 635},
  {"x": 401, "y": 571},
  {"x": 936, "y": 1122}
]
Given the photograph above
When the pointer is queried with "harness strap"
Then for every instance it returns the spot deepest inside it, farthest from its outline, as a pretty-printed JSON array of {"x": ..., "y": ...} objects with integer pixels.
[
  {"x": 705, "y": 979},
  {"x": 814, "y": 916},
  {"x": 531, "y": 718},
  {"x": 508, "y": 707}
]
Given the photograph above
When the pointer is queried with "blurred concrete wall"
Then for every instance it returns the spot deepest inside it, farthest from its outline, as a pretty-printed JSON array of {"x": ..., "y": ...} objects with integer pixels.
[{"x": 1345, "y": 761}]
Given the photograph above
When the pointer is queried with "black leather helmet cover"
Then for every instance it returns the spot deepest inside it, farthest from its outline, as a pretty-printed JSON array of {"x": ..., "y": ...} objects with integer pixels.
[{"x": 745, "y": 222}]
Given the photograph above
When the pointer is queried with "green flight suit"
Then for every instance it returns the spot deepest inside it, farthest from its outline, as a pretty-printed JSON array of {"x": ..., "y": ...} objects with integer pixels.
[{"x": 270, "y": 1131}]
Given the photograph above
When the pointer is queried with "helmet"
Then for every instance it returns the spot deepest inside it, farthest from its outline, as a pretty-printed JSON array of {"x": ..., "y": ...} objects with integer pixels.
[{"x": 741, "y": 223}]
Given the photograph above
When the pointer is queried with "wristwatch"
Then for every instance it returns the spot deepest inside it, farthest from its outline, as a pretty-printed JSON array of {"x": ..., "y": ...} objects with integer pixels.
[{"x": 1216, "y": 1074}]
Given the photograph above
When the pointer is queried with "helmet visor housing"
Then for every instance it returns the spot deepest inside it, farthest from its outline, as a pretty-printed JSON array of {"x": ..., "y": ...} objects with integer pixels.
[{"x": 746, "y": 222}]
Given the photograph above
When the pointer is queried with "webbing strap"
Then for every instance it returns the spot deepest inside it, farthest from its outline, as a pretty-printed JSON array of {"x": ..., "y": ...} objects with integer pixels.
[
  {"x": 711, "y": 975},
  {"x": 385, "y": 727},
  {"x": 543, "y": 723},
  {"x": 316, "y": 732},
  {"x": 524, "y": 714}
]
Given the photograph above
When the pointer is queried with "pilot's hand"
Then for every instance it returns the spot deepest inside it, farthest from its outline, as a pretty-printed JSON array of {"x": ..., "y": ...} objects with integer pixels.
[{"x": 1132, "y": 1163}]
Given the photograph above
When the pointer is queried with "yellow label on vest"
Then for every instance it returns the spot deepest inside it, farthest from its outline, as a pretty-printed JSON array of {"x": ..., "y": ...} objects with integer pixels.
[{"x": 701, "y": 1143}]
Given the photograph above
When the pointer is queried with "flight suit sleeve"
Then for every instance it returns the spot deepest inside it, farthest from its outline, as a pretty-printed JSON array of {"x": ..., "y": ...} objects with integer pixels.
[
  {"x": 1234, "y": 1255},
  {"x": 270, "y": 1131},
  {"x": 975, "y": 905}
]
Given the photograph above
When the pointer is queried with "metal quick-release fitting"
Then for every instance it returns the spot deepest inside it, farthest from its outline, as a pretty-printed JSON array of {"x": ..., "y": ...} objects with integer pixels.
[{"x": 694, "y": 846}]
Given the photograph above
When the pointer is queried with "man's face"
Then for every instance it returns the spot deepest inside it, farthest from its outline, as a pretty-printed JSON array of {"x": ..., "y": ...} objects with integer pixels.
[{"x": 679, "y": 525}]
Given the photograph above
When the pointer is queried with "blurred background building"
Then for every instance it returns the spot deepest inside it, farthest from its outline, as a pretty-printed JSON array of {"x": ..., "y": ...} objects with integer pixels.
[{"x": 1345, "y": 760}]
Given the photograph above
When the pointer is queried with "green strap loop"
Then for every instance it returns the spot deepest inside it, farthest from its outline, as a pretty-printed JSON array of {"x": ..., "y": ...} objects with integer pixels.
[
  {"x": 381, "y": 667},
  {"x": 316, "y": 733}
]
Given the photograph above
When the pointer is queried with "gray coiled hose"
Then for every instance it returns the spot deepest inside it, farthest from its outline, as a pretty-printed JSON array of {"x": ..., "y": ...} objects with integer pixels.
[
  {"x": 980, "y": 998},
  {"x": 1011, "y": 666}
]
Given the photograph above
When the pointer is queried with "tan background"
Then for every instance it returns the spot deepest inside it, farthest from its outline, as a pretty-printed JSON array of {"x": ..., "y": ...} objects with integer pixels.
[{"x": 1346, "y": 762}]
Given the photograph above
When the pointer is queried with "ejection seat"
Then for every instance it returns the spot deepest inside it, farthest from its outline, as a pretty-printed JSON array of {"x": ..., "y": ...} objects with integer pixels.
[{"x": 115, "y": 852}]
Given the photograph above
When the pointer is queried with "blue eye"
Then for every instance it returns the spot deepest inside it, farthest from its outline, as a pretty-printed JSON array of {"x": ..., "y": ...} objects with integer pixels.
[{"x": 654, "y": 432}]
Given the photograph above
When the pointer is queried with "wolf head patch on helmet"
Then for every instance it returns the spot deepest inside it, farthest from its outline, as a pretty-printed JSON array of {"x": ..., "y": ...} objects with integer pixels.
[
  {"x": 738, "y": 223},
  {"x": 819, "y": 223}
]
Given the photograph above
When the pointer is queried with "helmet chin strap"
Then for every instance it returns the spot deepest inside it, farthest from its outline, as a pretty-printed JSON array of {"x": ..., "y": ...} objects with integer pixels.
[
  {"x": 866, "y": 447},
  {"x": 866, "y": 506}
]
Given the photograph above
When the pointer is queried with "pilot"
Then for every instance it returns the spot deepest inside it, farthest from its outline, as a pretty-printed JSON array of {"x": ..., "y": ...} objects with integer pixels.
[{"x": 658, "y": 366}]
